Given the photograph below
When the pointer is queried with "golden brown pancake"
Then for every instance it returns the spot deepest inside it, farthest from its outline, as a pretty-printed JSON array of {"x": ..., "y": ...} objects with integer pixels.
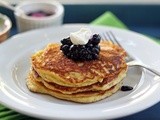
[
  {"x": 81, "y": 97},
  {"x": 88, "y": 81},
  {"x": 53, "y": 66},
  {"x": 107, "y": 83}
]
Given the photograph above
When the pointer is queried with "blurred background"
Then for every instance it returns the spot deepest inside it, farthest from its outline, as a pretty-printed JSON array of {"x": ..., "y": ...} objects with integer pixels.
[{"x": 139, "y": 15}]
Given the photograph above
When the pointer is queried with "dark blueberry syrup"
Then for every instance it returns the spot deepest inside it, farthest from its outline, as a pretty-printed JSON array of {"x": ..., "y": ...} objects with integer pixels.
[{"x": 126, "y": 88}]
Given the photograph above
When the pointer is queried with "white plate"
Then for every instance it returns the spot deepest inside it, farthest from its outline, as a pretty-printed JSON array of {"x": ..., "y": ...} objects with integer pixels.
[{"x": 15, "y": 64}]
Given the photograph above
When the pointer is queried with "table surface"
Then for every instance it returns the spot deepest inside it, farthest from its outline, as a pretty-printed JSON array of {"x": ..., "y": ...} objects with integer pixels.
[{"x": 150, "y": 113}]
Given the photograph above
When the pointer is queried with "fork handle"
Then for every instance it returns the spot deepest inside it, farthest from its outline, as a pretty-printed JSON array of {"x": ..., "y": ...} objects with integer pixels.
[{"x": 136, "y": 63}]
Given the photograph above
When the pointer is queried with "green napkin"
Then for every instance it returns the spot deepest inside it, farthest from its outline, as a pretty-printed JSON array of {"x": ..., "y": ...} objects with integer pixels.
[
  {"x": 7, "y": 114},
  {"x": 108, "y": 19}
]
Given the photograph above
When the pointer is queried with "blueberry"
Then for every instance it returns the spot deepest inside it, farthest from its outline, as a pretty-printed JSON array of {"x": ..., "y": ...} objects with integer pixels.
[
  {"x": 74, "y": 56},
  {"x": 89, "y": 42},
  {"x": 90, "y": 46},
  {"x": 71, "y": 56},
  {"x": 66, "y": 41},
  {"x": 95, "y": 39},
  {"x": 83, "y": 53},
  {"x": 65, "y": 48},
  {"x": 89, "y": 57},
  {"x": 95, "y": 56},
  {"x": 76, "y": 53},
  {"x": 81, "y": 47},
  {"x": 97, "y": 46},
  {"x": 73, "y": 48},
  {"x": 68, "y": 55},
  {"x": 95, "y": 50}
]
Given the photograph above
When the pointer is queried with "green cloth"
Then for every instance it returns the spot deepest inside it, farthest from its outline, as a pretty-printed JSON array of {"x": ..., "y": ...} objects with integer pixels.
[
  {"x": 7, "y": 114},
  {"x": 108, "y": 19}
]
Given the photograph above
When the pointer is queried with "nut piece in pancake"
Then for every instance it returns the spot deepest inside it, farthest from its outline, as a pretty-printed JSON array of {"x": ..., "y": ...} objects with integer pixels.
[{"x": 53, "y": 66}]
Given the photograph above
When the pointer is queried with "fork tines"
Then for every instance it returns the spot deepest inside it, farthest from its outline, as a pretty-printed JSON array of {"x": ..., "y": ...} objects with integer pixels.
[{"x": 111, "y": 37}]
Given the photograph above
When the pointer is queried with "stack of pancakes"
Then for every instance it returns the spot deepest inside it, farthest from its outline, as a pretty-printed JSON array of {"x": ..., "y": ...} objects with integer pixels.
[{"x": 54, "y": 74}]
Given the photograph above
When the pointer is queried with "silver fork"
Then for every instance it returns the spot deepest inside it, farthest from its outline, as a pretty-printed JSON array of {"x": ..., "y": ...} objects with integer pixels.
[{"x": 109, "y": 36}]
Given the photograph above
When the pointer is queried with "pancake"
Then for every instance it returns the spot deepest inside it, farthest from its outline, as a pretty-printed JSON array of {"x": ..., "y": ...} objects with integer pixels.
[
  {"x": 53, "y": 67},
  {"x": 107, "y": 83},
  {"x": 81, "y": 97},
  {"x": 54, "y": 74}
]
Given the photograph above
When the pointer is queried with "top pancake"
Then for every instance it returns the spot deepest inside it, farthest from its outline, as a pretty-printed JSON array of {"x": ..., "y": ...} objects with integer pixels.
[{"x": 53, "y": 66}]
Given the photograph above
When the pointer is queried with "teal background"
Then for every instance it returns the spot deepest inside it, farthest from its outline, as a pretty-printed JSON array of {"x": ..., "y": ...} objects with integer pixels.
[{"x": 141, "y": 18}]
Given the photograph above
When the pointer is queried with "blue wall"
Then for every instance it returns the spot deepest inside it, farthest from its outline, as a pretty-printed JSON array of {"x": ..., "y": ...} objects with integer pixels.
[{"x": 140, "y": 18}]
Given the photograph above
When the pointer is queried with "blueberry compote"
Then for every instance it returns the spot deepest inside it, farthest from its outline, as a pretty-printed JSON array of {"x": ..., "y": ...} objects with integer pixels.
[{"x": 89, "y": 51}]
